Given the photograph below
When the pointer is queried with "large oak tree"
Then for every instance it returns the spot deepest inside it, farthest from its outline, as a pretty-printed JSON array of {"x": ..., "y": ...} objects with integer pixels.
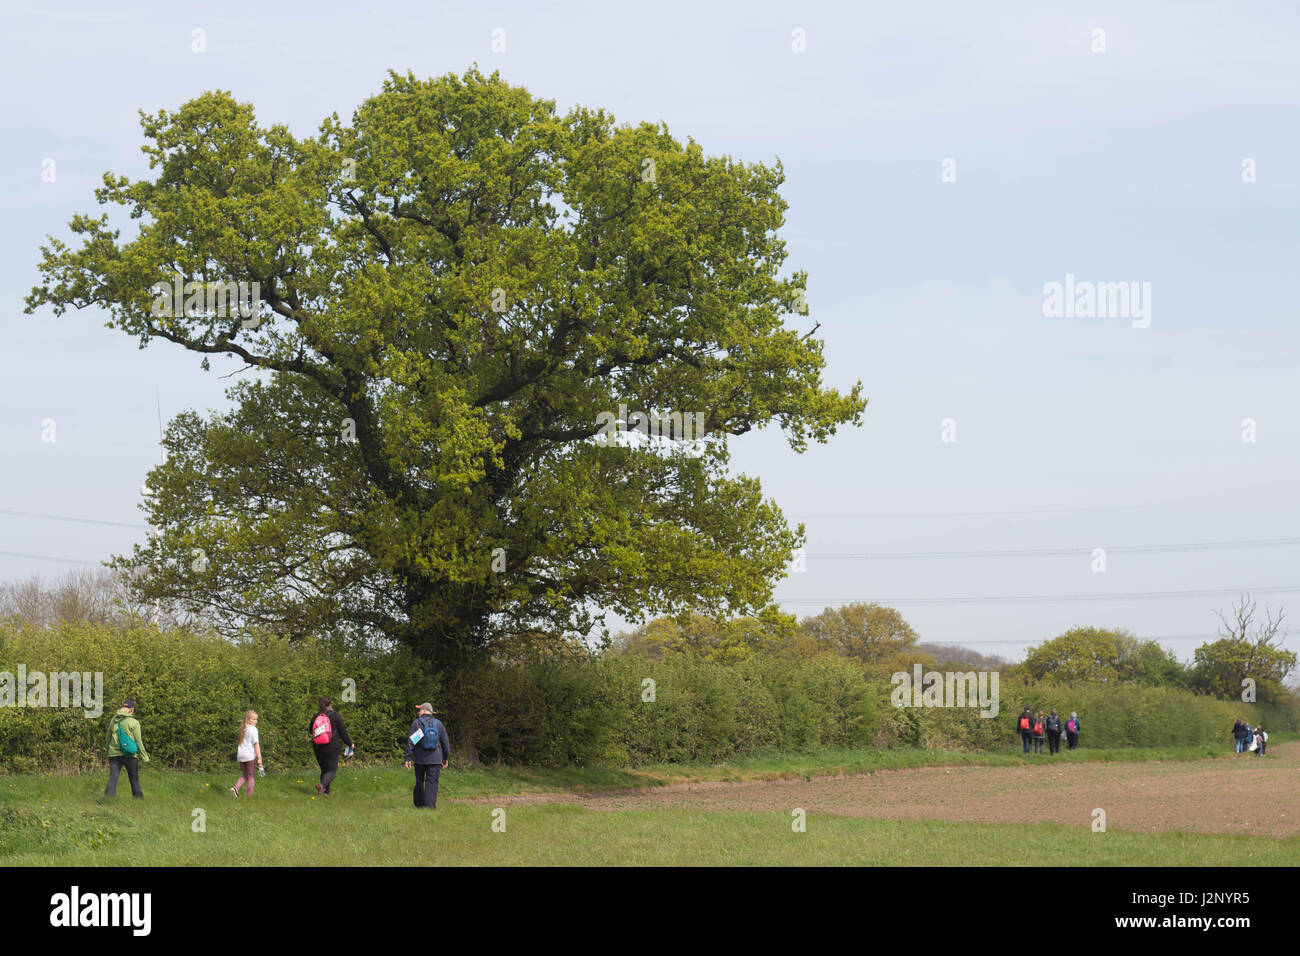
[{"x": 452, "y": 288}]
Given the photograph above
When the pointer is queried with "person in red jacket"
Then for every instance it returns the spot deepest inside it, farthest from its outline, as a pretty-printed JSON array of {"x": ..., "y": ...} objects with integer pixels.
[
  {"x": 1040, "y": 732},
  {"x": 1025, "y": 724}
]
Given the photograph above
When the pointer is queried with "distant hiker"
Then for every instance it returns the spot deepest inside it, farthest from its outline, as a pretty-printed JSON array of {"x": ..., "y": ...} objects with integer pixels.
[
  {"x": 1072, "y": 731},
  {"x": 1241, "y": 733},
  {"x": 428, "y": 748},
  {"x": 1261, "y": 740},
  {"x": 125, "y": 749},
  {"x": 249, "y": 753},
  {"x": 1053, "y": 732},
  {"x": 1025, "y": 724},
  {"x": 1039, "y": 732},
  {"x": 326, "y": 731}
]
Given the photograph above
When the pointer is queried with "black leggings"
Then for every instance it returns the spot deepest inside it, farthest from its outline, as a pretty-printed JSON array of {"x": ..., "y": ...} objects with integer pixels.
[{"x": 328, "y": 758}]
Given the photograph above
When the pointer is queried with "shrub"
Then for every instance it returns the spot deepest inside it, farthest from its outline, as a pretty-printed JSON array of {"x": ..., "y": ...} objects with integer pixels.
[
  {"x": 555, "y": 710},
  {"x": 191, "y": 691}
]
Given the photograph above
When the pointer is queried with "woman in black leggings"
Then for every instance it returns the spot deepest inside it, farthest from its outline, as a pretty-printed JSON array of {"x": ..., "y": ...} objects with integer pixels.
[{"x": 327, "y": 753}]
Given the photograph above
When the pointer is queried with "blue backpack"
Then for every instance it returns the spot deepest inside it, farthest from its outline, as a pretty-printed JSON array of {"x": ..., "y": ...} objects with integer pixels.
[
  {"x": 125, "y": 741},
  {"x": 430, "y": 740}
]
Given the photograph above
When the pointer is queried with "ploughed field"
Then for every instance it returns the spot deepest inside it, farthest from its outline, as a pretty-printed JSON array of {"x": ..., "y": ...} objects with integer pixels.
[{"x": 1244, "y": 795}]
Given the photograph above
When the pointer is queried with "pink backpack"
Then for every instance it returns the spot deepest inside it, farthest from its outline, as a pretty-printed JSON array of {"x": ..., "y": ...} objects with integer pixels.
[{"x": 322, "y": 731}]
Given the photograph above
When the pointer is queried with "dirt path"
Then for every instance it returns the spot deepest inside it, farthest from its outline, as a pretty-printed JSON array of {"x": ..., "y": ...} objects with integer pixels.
[{"x": 1246, "y": 795}]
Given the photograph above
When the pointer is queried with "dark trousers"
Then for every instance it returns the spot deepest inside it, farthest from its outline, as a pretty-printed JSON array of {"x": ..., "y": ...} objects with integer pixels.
[
  {"x": 426, "y": 784},
  {"x": 1038, "y": 744},
  {"x": 1072, "y": 740},
  {"x": 1026, "y": 736},
  {"x": 328, "y": 758},
  {"x": 115, "y": 765},
  {"x": 1053, "y": 741}
]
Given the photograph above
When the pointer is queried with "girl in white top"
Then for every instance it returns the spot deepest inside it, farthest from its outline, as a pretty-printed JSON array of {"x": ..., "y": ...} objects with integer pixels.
[{"x": 248, "y": 754}]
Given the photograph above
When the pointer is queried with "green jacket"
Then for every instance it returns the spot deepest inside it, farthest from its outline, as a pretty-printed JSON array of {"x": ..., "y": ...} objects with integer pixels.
[{"x": 131, "y": 727}]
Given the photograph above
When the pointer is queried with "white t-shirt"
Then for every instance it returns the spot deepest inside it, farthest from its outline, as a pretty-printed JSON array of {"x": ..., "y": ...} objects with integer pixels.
[{"x": 246, "y": 751}]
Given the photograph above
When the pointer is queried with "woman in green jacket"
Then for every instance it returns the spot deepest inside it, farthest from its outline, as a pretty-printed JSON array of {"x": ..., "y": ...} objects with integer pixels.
[{"x": 125, "y": 749}]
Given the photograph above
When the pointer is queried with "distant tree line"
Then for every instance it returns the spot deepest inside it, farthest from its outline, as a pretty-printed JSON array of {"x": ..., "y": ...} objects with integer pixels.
[{"x": 1244, "y": 660}]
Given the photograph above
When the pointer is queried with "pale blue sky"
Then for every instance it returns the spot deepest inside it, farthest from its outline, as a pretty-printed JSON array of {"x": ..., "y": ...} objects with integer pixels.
[{"x": 1071, "y": 433}]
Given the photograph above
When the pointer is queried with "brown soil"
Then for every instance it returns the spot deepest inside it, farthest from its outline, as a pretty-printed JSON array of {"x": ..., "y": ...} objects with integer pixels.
[{"x": 1246, "y": 795}]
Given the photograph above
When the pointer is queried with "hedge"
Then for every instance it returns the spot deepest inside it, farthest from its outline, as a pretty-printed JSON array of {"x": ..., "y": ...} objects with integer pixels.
[
  {"x": 191, "y": 691},
  {"x": 623, "y": 710}
]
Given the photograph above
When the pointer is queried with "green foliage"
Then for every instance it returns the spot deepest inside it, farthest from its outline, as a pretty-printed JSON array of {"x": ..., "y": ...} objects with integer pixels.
[
  {"x": 551, "y": 709},
  {"x": 543, "y": 710},
  {"x": 1246, "y": 656},
  {"x": 1102, "y": 655},
  {"x": 191, "y": 692},
  {"x": 455, "y": 286},
  {"x": 876, "y": 636},
  {"x": 727, "y": 641},
  {"x": 1112, "y": 715},
  {"x": 1222, "y": 667},
  {"x": 1158, "y": 667},
  {"x": 597, "y": 711}
]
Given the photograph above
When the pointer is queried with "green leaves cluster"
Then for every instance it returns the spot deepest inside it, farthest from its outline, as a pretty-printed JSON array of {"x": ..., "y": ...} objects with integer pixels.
[
  {"x": 873, "y": 635},
  {"x": 1107, "y": 656}
]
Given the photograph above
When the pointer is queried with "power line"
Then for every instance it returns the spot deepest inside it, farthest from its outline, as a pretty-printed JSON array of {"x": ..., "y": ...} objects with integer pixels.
[
  {"x": 45, "y": 517},
  {"x": 963, "y": 642},
  {"x": 1042, "y": 598},
  {"x": 880, "y": 555},
  {"x": 1054, "y": 552},
  {"x": 1244, "y": 497},
  {"x": 43, "y": 557}
]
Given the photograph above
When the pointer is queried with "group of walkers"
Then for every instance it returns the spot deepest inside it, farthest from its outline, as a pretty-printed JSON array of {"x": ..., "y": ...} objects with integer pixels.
[
  {"x": 1034, "y": 729},
  {"x": 428, "y": 750},
  {"x": 1248, "y": 740}
]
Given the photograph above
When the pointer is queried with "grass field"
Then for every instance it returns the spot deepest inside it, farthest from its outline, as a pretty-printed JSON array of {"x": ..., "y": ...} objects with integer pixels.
[{"x": 369, "y": 820}]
